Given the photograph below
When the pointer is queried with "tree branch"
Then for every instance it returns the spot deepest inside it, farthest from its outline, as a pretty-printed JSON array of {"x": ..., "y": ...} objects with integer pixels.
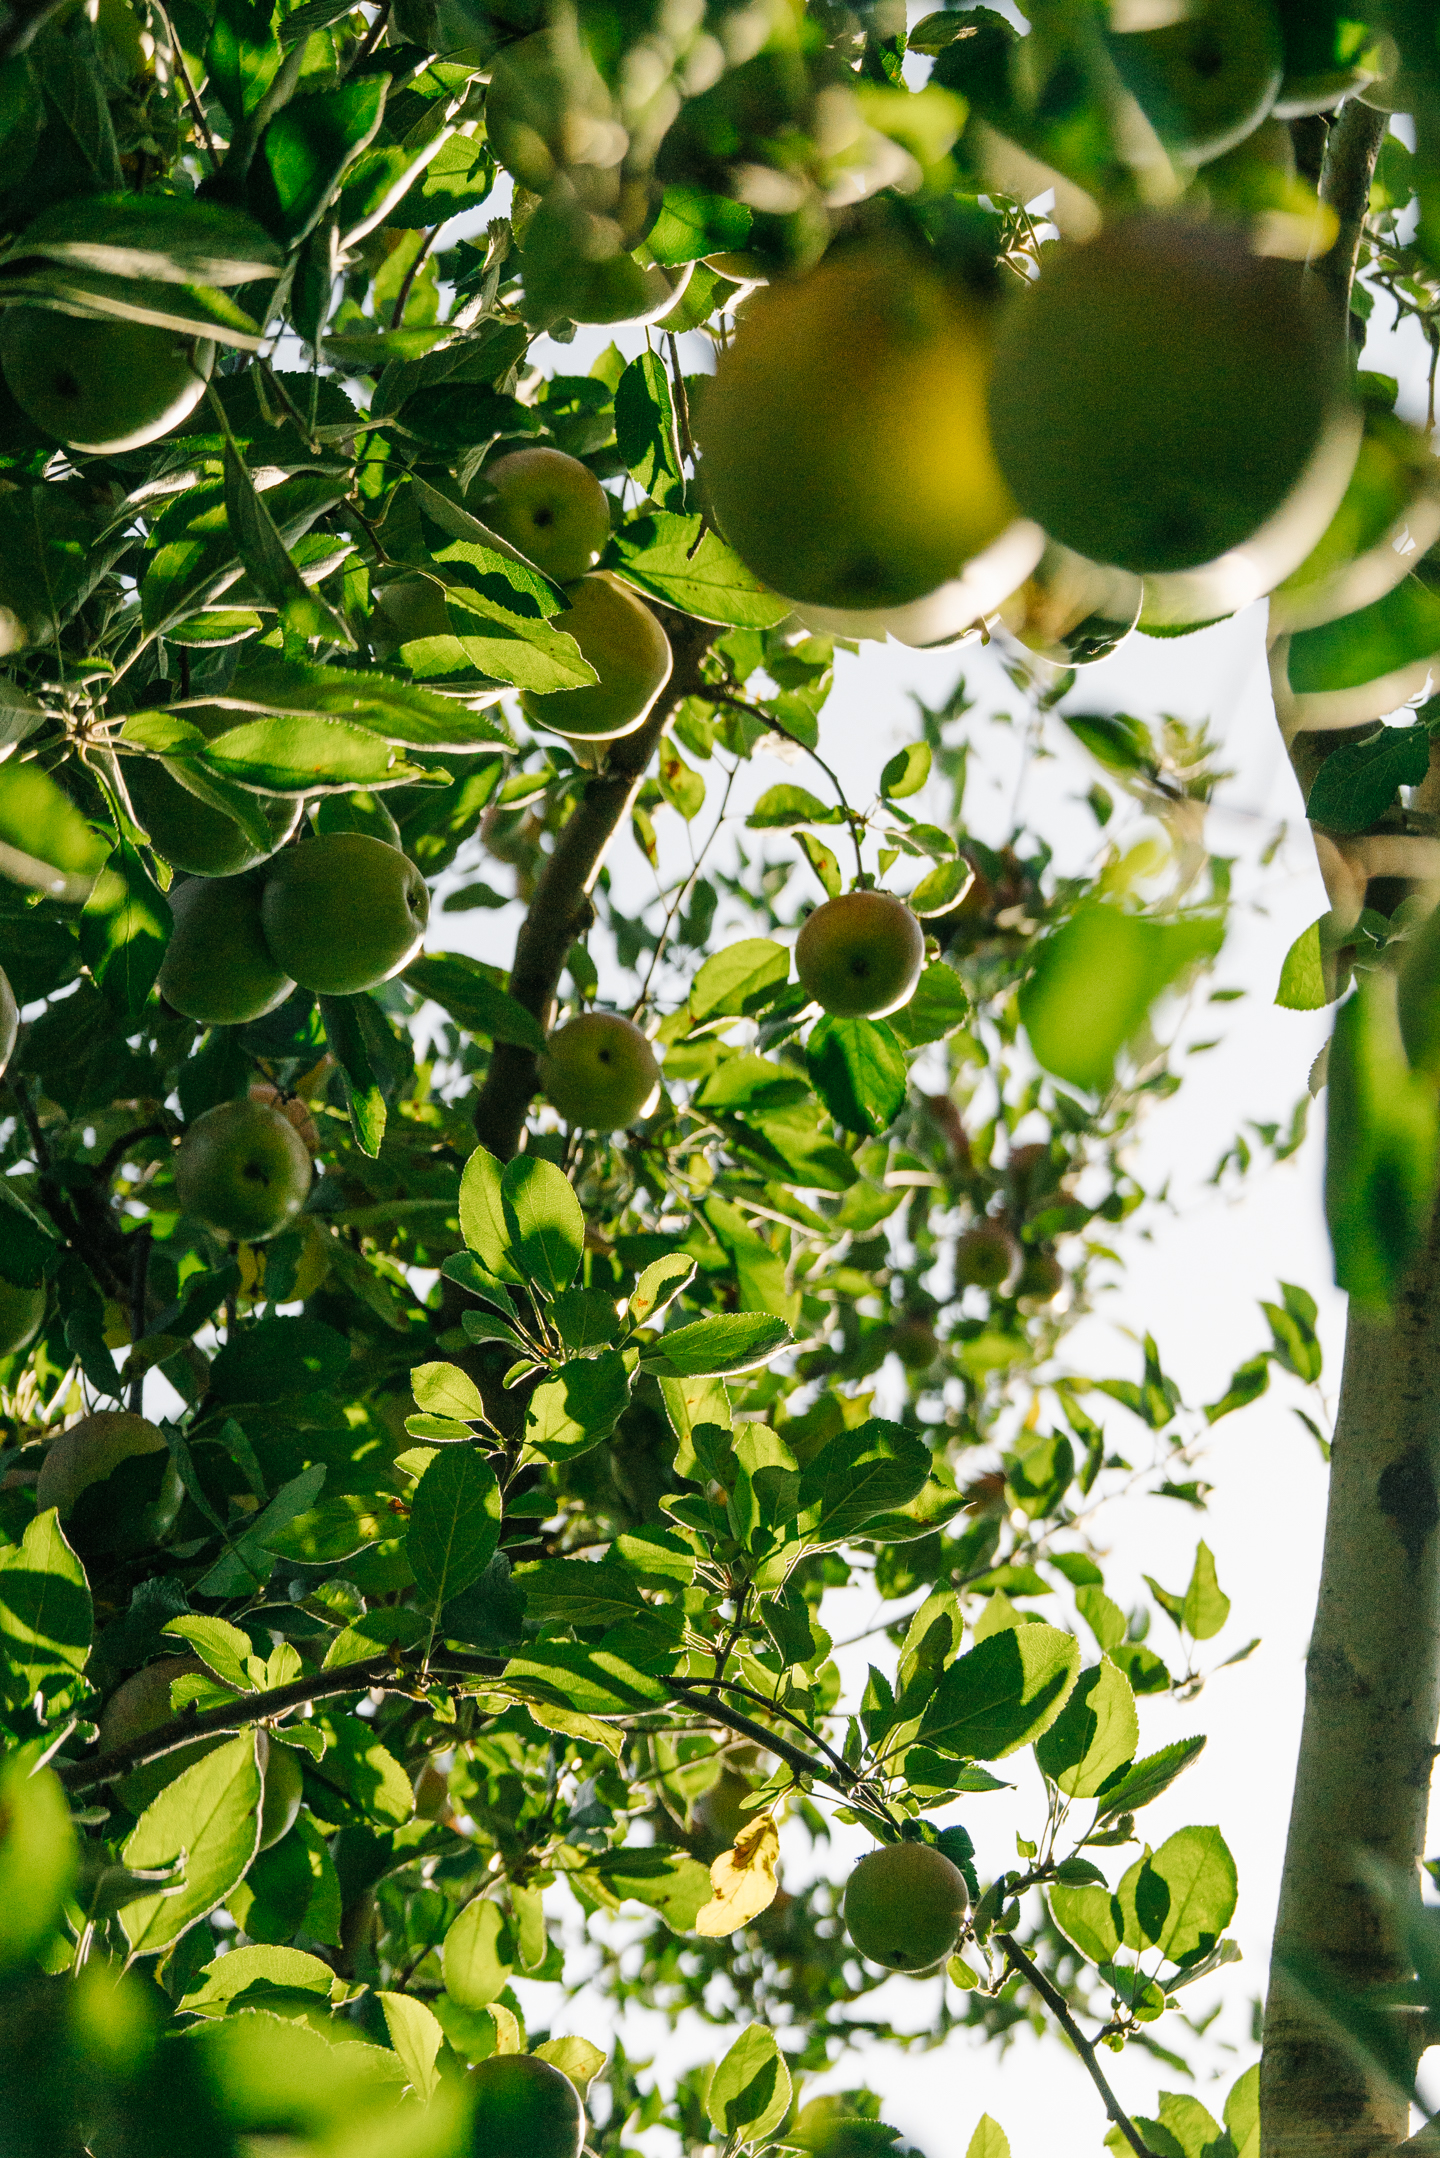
[
  {"x": 1060, "y": 2010},
  {"x": 565, "y": 883},
  {"x": 804, "y": 1764},
  {"x": 1350, "y": 153}
]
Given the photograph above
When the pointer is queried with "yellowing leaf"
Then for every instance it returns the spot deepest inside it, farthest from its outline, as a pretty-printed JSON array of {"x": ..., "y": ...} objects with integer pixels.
[{"x": 743, "y": 1879}]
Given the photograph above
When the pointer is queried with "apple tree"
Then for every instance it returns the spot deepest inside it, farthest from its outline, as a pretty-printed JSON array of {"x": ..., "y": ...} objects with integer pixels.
[{"x": 447, "y": 1403}]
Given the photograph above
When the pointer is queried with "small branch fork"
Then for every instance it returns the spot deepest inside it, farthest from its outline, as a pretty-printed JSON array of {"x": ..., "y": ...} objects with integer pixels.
[{"x": 1060, "y": 2010}]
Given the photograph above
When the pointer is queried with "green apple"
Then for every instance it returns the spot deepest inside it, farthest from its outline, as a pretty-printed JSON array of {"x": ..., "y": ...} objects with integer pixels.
[
  {"x": 217, "y": 967},
  {"x": 1330, "y": 52},
  {"x": 1042, "y": 1277},
  {"x": 284, "y": 1790},
  {"x": 101, "y": 386},
  {"x": 548, "y": 505},
  {"x": 904, "y": 1906},
  {"x": 1206, "y": 80},
  {"x": 244, "y": 1169},
  {"x": 599, "y": 1072},
  {"x": 860, "y": 956},
  {"x": 195, "y": 836},
  {"x": 629, "y": 651},
  {"x": 524, "y": 2108},
  {"x": 138, "y": 1706},
  {"x": 344, "y": 912},
  {"x": 407, "y": 610},
  {"x": 846, "y": 454},
  {"x": 986, "y": 1256},
  {"x": 22, "y": 1314},
  {"x": 9, "y": 1022},
  {"x": 1159, "y": 392},
  {"x": 87, "y": 1452}
]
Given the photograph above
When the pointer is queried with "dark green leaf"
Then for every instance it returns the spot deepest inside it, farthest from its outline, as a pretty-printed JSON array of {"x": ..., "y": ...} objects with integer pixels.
[
  {"x": 874, "y": 1469},
  {"x": 645, "y": 425},
  {"x": 454, "y": 1523},
  {"x": 737, "y": 1341},
  {"x": 472, "y": 999},
  {"x": 682, "y": 561},
  {"x": 857, "y": 1067},
  {"x": 1357, "y": 782},
  {"x": 1003, "y": 1694}
]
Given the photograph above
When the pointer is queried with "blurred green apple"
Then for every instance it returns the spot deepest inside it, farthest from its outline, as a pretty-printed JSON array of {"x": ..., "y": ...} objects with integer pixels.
[
  {"x": 1205, "y": 80},
  {"x": 548, "y": 505},
  {"x": 986, "y": 1257},
  {"x": 138, "y": 1706},
  {"x": 599, "y": 1072},
  {"x": 629, "y": 651},
  {"x": 101, "y": 386},
  {"x": 244, "y": 1169},
  {"x": 344, "y": 912},
  {"x": 87, "y": 1452},
  {"x": 217, "y": 967},
  {"x": 284, "y": 1790},
  {"x": 192, "y": 834},
  {"x": 860, "y": 956},
  {"x": 524, "y": 2108}
]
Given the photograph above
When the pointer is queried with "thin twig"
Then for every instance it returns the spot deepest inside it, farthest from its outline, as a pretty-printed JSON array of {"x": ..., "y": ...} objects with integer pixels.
[
  {"x": 853, "y": 819},
  {"x": 682, "y": 400},
  {"x": 191, "y": 99},
  {"x": 848, "y": 1776},
  {"x": 1059, "y": 2009},
  {"x": 373, "y": 35}
]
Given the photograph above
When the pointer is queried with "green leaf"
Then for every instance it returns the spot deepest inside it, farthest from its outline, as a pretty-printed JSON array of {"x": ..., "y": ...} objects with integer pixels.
[
  {"x": 1242, "y": 2113},
  {"x": 658, "y": 1286},
  {"x": 1090, "y": 1917},
  {"x": 857, "y": 1476},
  {"x": 938, "y": 1006},
  {"x": 223, "y": 1648},
  {"x": 335, "y": 1529},
  {"x": 454, "y": 1523},
  {"x": 579, "y": 1407},
  {"x": 599, "y": 1681},
  {"x": 210, "y": 1815},
  {"x": 1122, "y": 744},
  {"x": 741, "y": 979},
  {"x": 942, "y": 888},
  {"x": 306, "y": 148},
  {"x": 1094, "y": 1735},
  {"x": 1306, "y": 982},
  {"x": 45, "y": 1614},
  {"x": 544, "y": 1221},
  {"x": 645, "y": 426},
  {"x": 44, "y": 840},
  {"x": 576, "y": 2057},
  {"x": 174, "y": 239},
  {"x": 416, "y": 2037},
  {"x": 989, "y": 2140},
  {"x": 267, "y": 562},
  {"x": 362, "y": 1043},
  {"x": 823, "y": 862},
  {"x": 736, "y": 1341},
  {"x": 230, "y": 1976},
  {"x": 780, "y": 809},
  {"x": 306, "y": 756},
  {"x": 1004, "y": 1694},
  {"x": 1381, "y": 1146},
  {"x": 574, "y": 1592},
  {"x": 370, "y": 1772},
  {"x": 676, "y": 1886},
  {"x": 38, "y": 1857},
  {"x": 482, "y": 1216},
  {"x": 1398, "y": 632},
  {"x": 857, "y": 1067},
  {"x": 475, "y": 1958},
  {"x": 365, "y": 696},
  {"x": 692, "y": 223},
  {"x": 446, "y": 1390},
  {"x": 907, "y": 771},
  {"x": 681, "y": 561},
  {"x": 749, "y": 2093},
  {"x": 1358, "y": 781},
  {"x": 1180, "y": 1898},
  {"x": 464, "y": 989},
  {"x": 1206, "y": 1607},
  {"x": 1093, "y": 984}
]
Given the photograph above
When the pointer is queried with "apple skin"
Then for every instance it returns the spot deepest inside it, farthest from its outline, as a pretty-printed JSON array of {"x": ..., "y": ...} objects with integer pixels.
[
  {"x": 629, "y": 651},
  {"x": 85, "y": 1453},
  {"x": 1042, "y": 1277},
  {"x": 9, "y": 1022},
  {"x": 138, "y": 1706},
  {"x": 860, "y": 956},
  {"x": 1206, "y": 81},
  {"x": 986, "y": 1256},
  {"x": 548, "y": 505},
  {"x": 192, "y": 835},
  {"x": 524, "y": 2108},
  {"x": 904, "y": 1906},
  {"x": 217, "y": 967},
  {"x": 284, "y": 1791},
  {"x": 101, "y": 387},
  {"x": 599, "y": 1072},
  {"x": 244, "y": 1169},
  {"x": 845, "y": 451},
  {"x": 22, "y": 1314},
  {"x": 344, "y": 912},
  {"x": 1159, "y": 391}
]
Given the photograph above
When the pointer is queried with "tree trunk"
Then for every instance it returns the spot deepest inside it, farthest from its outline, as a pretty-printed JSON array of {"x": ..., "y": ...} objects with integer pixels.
[{"x": 1372, "y": 1697}]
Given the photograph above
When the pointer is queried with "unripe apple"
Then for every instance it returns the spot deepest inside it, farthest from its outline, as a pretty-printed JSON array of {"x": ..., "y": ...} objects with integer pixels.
[
  {"x": 1159, "y": 392},
  {"x": 1042, "y": 1277},
  {"x": 548, "y": 505},
  {"x": 1207, "y": 79},
  {"x": 284, "y": 1790},
  {"x": 85, "y": 1454},
  {"x": 986, "y": 1256},
  {"x": 193, "y": 835},
  {"x": 845, "y": 449},
  {"x": 915, "y": 1343},
  {"x": 860, "y": 956},
  {"x": 524, "y": 2108},
  {"x": 599, "y": 1072},
  {"x": 101, "y": 386},
  {"x": 343, "y": 912},
  {"x": 217, "y": 967},
  {"x": 629, "y": 651},
  {"x": 22, "y": 1314},
  {"x": 244, "y": 1169},
  {"x": 904, "y": 1906},
  {"x": 138, "y": 1706}
]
